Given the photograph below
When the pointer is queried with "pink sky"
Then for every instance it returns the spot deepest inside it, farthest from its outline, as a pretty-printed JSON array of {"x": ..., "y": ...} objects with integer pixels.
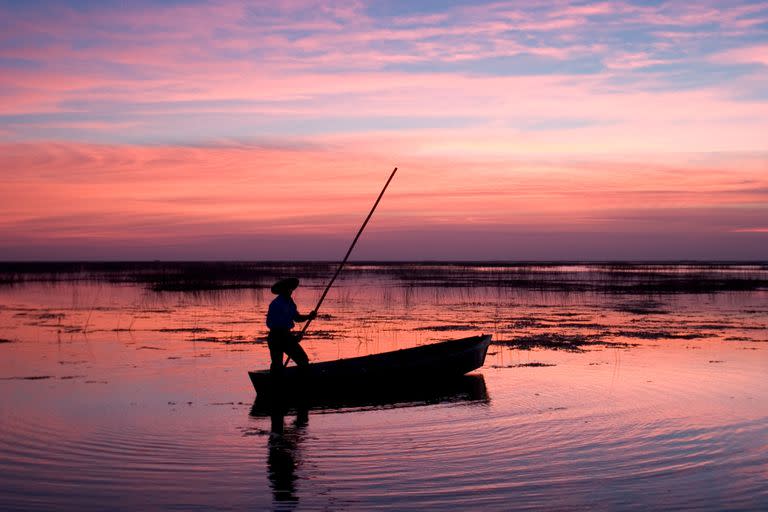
[{"x": 210, "y": 130}]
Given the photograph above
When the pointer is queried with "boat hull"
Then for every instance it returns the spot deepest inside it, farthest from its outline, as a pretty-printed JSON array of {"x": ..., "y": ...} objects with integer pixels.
[{"x": 406, "y": 367}]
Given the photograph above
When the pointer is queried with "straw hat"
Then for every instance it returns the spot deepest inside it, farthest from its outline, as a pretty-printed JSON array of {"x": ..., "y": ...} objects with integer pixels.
[{"x": 284, "y": 285}]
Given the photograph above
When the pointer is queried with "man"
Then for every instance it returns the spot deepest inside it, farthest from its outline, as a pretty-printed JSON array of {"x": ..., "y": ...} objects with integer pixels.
[{"x": 281, "y": 318}]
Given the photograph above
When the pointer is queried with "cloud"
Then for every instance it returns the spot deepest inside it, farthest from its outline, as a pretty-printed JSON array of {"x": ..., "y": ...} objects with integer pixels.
[
  {"x": 159, "y": 121},
  {"x": 751, "y": 230},
  {"x": 306, "y": 51},
  {"x": 150, "y": 194},
  {"x": 747, "y": 55}
]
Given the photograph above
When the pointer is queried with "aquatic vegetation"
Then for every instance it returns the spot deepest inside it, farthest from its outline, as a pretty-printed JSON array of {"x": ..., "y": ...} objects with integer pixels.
[
  {"x": 30, "y": 377},
  {"x": 534, "y": 364},
  {"x": 560, "y": 341},
  {"x": 233, "y": 340},
  {"x": 183, "y": 329},
  {"x": 623, "y": 278},
  {"x": 661, "y": 335},
  {"x": 446, "y": 328}
]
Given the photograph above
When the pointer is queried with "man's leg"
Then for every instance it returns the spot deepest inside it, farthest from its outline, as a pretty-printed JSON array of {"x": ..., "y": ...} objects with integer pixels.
[
  {"x": 295, "y": 352},
  {"x": 276, "y": 354}
]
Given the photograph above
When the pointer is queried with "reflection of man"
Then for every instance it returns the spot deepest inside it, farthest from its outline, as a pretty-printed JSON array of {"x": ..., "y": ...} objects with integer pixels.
[
  {"x": 283, "y": 460},
  {"x": 281, "y": 318}
]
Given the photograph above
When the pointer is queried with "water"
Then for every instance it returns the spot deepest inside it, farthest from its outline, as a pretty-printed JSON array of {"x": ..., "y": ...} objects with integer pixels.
[{"x": 118, "y": 396}]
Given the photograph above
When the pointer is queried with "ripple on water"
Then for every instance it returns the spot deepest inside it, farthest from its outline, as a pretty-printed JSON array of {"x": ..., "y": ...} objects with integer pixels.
[
  {"x": 487, "y": 460},
  {"x": 441, "y": 456},
  {"x": 656, "y": 427},
  {"x": 46, "y": 465}
]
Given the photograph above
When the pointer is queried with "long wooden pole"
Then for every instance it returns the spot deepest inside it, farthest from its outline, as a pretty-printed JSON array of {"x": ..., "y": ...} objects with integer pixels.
[{"x": 346, "y": 257}]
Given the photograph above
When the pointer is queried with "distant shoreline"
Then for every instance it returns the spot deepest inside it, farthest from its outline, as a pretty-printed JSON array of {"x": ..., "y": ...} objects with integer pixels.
[
  {"x": 602, "y": 277},
  {"x": 392, "y": 262}
]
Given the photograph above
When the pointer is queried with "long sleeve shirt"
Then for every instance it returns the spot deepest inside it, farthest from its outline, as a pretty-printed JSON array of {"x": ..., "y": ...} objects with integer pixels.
[{"x": 282, "y": 313}]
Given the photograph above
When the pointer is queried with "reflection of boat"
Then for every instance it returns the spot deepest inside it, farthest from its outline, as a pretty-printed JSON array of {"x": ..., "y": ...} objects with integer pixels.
[
  {"x": 285, "y": 455},
  {"x": 411, "y": 367},
  {"x": 464, "y": 388}
]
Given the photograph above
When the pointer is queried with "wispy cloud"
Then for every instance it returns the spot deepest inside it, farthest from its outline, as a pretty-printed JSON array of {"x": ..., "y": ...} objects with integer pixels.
[
  {"x": 305, "y": 51},
  {"x": 751, "y": 230},
  {"x": 748, "y": 54},
  {"x": 130, "y": 192}
]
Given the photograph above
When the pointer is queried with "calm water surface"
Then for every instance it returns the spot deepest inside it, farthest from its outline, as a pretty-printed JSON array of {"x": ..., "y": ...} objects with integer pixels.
[{"x": 114, "y": 396}]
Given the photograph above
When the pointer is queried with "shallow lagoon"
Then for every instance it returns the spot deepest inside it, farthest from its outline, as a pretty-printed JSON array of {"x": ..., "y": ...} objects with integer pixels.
[{"x": 123, "y": 390}]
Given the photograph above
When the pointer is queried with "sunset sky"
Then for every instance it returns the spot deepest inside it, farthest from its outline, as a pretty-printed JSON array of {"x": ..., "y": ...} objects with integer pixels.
[{"x": 522, "y": 130}]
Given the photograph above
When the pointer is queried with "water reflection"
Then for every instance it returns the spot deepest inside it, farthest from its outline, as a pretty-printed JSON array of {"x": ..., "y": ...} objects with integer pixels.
[
  {"x": 284, "y": 457},
  {"x": 467, "y": 388}
]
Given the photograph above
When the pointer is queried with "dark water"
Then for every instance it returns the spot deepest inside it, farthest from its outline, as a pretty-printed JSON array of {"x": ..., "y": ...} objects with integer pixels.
[{"x": 119, "y": 395}]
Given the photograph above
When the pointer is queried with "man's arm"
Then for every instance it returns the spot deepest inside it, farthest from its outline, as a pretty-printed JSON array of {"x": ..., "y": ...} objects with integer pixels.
[{"x": 303, "y": 318}]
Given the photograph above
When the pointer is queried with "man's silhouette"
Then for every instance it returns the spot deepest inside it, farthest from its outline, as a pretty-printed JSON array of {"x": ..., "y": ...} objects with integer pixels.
[{"x": 281, "y": 319}]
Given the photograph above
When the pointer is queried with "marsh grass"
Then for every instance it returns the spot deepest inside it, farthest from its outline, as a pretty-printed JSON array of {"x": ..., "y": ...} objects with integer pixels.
[
  {"x": 619, "y": 278},
  {"x": 561, "y": 341},
  {"x": 163, "y": 276},
  {"x": 625, "y": 278}
]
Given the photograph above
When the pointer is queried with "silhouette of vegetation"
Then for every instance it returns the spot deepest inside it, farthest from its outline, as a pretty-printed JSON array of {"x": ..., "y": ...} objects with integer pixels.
[
  {"x": 623, "y": 278},
  {"x": 560, "y": 341}
]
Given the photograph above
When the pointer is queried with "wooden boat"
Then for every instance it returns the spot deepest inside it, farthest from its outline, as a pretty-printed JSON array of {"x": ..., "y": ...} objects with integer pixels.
[{"x": 408, "y": 367}]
